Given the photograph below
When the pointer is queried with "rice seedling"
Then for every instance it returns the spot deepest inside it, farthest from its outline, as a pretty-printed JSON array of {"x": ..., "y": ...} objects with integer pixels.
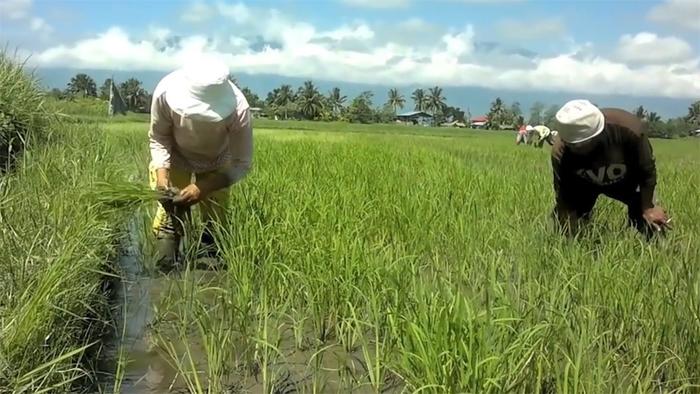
[{"x": 365, "y": 261}]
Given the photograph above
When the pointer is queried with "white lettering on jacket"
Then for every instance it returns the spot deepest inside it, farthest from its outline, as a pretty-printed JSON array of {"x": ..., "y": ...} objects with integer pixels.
[{"x": 605, "y": 175}]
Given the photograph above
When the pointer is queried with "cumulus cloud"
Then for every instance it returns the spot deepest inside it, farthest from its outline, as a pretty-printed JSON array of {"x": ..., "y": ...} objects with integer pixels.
[
  {"x": 377, "y": 3},
  {"x": 273, "y": 43},
  {"x": 648, "y": 48},
  {"x": 680, "y": 13}
]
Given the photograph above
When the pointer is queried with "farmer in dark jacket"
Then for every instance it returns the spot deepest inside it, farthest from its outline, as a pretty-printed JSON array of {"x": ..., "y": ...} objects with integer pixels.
[{"x": 603, "y": 152}]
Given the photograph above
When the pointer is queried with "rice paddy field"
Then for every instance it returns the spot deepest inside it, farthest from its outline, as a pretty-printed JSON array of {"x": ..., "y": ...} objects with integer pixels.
[{"x": 357, "y": 259}]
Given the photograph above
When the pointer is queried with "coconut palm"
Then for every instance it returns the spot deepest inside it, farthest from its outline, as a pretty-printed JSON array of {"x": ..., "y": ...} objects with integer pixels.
[
  {"x": 435, "y": 102},
  {"x": 396, "y": 100},
  {"x": 336, "y": 101},
  {"x": 640, "y": 112},
  {"x": 653, "y": 117},
  {"x": 693, "y": 116},
  {"x": 284, "y": 98},
  {"x": 310, "y": 101},
  {"x": 419, "y": 99},
  {"x": 83, "y": 84},
  {"x": 134, "y": 95},
  {"x": 497, "y": 113}
]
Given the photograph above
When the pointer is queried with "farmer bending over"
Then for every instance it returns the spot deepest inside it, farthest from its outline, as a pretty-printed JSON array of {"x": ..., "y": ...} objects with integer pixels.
[
  {"x": 201, "y": 143},
  {"x": 603, "y": 152}
]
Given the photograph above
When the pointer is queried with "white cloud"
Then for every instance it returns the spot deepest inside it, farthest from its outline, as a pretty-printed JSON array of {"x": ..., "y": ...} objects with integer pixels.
[
  {"x": 198, "y": 11},
  {"x": 15, "y": 9},
  {"x": 377, "y": 3},
  {"x": 19, "y": 11},
  {"x": 360, "y": 32},
  {"x": 39, "y": 25},
  {"x": 680, "y": 13},
  {"x": 513, "y": 29},
  {"x": 414, "y": 23},
  {"x": 363, "y": 54},
  {"x": 239, "y": 12},
  {"x": 648, "y": 48}
]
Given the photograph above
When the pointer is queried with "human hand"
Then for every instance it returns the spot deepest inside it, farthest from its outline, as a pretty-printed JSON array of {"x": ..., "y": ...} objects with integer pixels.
[
  {"x": 656, "y": 218},
  {"x": 190, "y": 195}
]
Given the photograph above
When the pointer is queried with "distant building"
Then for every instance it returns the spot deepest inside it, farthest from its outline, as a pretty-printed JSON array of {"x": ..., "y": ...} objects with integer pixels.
[
  {"x": 257, "y": 112},
  {"x": 454, "y": 123},
  {"x": 479, "y": 122},
  {"x": 415, "y": 117}
]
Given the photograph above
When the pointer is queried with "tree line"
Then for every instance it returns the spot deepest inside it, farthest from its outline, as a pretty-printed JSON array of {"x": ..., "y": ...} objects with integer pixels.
[
  {"x": 136, "y": 98},
  {"x": 308, "y": 103},
  {"x": 673, "y": 127}
]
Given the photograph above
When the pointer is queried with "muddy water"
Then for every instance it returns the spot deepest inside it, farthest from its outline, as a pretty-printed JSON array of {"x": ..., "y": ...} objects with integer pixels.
[
  {"x": 129, "y": 362},
  {"x": 138, "y": 356}
]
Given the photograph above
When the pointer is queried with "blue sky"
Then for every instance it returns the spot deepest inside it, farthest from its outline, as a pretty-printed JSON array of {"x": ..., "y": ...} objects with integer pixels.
[{"x": 623, "y": 47}]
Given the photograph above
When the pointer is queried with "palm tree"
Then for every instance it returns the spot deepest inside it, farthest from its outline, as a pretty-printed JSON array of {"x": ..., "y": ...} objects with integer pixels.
[
  {"x": 335, "y": 101},
  {"x": 284, "y": 97},
  {"x": 104, "y": 89},
  {"x": 310, "y": 101},
  {"x": 536, "y": 113},
  {"x": 83, "y": 84},
  {"x": 395, "y": 100},
  {"x": 135, "y": 96},
  {"x": 693, "y": 116},
  {"x": 653, "y": 117},
  {"x": 497, "y": 113},
  {"x": 418, "y": 97},
  {"x": 435, "y": 100},
  {"x": 640, "y": 112}
]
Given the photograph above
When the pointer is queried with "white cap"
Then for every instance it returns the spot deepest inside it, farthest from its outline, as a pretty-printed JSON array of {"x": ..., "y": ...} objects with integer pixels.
[
  {"x": 578, "y": 121},
  {"x": 201, "y": 90}
]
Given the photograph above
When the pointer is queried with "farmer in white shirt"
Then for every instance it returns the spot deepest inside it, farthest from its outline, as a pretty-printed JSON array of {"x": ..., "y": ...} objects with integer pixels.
[
  {"x": 543, "y": 134},
  {"x": 201, "y": 143}
]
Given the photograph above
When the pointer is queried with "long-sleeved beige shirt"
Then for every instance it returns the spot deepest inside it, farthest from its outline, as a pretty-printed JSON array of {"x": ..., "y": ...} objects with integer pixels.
[{"x": 199, "y": 146}]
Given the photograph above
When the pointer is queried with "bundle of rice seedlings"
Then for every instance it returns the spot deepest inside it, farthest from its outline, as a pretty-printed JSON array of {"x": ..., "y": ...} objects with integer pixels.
[{"x": 125, "y": 194}]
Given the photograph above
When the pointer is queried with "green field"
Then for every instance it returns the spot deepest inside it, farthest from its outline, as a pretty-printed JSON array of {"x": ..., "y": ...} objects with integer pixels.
[{"x": 362, "y": 258}]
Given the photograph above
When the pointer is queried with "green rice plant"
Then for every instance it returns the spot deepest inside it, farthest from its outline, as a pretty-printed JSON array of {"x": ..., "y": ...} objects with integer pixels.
[
  {"x": 24, "y": 118},
  {"x": 57, "y": 245},
  {"x": 123, "y": 194},
  {"x": 378, "y": 261}
]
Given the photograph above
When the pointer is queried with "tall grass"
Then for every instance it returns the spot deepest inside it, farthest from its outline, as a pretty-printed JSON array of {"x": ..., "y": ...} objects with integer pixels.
[
  {"x": 57, "y": 243},
  {"x": 23, "y": 114},
  {"x": 428, "y": 264},
  {"x": 90, "y": 110}
]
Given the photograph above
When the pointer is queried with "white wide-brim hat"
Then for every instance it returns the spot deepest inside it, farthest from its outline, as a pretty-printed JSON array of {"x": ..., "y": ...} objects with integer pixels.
[
  {"x": 578, "y": 121},
  {"x": 201, "y": 90}
]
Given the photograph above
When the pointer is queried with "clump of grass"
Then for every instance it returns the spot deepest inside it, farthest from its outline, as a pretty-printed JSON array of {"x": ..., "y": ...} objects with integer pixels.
[
  {"x": 57, "y": 245},
  {"x": 23, "y": 116}
]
